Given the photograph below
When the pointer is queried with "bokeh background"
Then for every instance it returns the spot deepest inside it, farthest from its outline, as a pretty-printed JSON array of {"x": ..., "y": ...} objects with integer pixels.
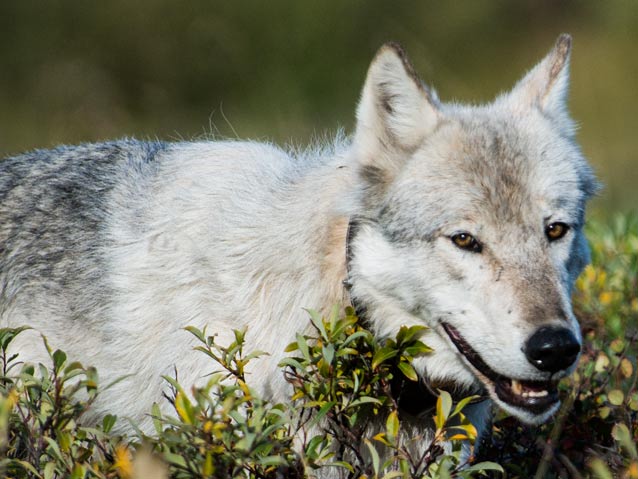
[{"x": 73, "y": 71}]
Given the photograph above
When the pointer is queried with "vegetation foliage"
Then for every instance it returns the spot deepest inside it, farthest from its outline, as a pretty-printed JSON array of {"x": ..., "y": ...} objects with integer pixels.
[{"x": 341, "y": 379}]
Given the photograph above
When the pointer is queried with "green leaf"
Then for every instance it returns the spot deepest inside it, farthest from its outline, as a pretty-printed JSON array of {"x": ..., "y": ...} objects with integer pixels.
[
  {"x": 484, "y": 466},
  {"x": 408, "y": 371},
  {"x": 240, "y": 334},
  {"x": 49, "y": 470},
  {"x": 407, "y": 334},
  {"x": 393, "y": 474},
  {"x": 364, "y": 400},
  {"x": 175, "y": 459},
  {"x": 342, "y": 325},
  {"x": 333, "y": 319},
  {"x": 255, "y": 354},
  {"x": 54, "y": 450},
  {"x": 356, "y": 335},
  {"x": 322, "y": 412},
  {"x": 64, "y": 440},
  {"x": 418, "y": 349},
  {"x": 75, "y": 366},
  {"x": 108, "y": 422},
  {"x": 8, "y": 334},
  {"x": 620, "y": 432},
  {"x": 291, "y": 362},
  {"x": 28, "y": 467},
  {"x": 59, "y": 358},
  {"x": 462, "y": 403},
  {"x": 272, "y": 461},
  {"x": 317, "y": 321},
  {"x": 200, "y": 335},
  {"x": 383, "y": 355},
  {"x": 374, "y": 455},
  {"x": 600, "y": 469},
  {"x": 302, "y": 345},
  {"x": 78, "y": 472},
  {"x": 342, "y": 464},
  {"x": 328, "y": 352}
]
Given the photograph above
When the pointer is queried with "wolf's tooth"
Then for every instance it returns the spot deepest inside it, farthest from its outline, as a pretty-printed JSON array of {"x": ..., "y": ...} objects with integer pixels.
[
  {"x": 534, "y": 394},
  {"x": 517, "y": 388},
  {"x": 538, "y": 394}
]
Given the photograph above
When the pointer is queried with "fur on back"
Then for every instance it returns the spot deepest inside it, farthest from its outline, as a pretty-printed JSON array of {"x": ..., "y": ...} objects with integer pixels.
[{"x": 111, "y": 249}]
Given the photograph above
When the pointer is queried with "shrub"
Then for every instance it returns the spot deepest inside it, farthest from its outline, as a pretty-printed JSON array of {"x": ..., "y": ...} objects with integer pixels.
[
  {"x": 342, "y": 378},
  {"x": 40, "y": 416}
]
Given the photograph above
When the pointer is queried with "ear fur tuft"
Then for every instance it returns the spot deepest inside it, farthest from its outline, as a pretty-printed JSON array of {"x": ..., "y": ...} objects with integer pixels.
[
  {"x": 395, "y": 114},
  {"x": 546, "y": 85}
]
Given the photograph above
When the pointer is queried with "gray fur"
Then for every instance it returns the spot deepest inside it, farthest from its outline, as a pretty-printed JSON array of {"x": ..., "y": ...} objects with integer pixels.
[{"x": 112, "y": 249}]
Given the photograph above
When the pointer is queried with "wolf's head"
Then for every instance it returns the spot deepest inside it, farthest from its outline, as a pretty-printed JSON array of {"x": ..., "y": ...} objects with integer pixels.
[{"x": 473, "y": 225}]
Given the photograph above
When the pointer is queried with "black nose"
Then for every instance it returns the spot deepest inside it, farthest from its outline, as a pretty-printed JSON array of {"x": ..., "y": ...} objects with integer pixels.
[{"x": 552, "y": 349}]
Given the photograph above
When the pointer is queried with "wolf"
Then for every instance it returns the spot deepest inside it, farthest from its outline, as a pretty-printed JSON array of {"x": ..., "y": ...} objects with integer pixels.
[{"x": 466, "y": 219}]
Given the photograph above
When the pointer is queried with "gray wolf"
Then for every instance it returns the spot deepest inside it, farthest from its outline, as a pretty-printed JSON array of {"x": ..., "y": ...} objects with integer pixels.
[{"x": 469, "y": 221}]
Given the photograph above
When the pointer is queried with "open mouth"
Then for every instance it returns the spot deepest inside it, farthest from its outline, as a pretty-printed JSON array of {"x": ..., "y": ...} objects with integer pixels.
[{"x": 535, "y": 397}]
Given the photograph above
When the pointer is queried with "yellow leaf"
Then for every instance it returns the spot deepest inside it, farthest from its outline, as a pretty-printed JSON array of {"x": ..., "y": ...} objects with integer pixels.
[
  {"x": 392, "y": 425},
  {"x": 616, "y": 397},
  {"x": 123, "y": 463},
  {"x": 443, "y": 407},
  {"x": 12, "y": 399},
  {"x": 602, "y": 279},
  {"x": 605, "y": 297},
  {"x": 183, "y": 407},
  {"x": 208, "y": 426},
  {"x": 590, "y": 273},
  {"x": 617, "y": 345},
  {"x": 602, "y": 363},
  {"x": 208, "y": 465},
  {"x": 626, "y": 368}
]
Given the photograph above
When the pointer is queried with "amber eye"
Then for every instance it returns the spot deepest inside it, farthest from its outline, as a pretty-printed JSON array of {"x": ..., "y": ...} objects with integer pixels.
[
  {"x": 467, "y": 242},
  {"x": 555, "y": 231}
]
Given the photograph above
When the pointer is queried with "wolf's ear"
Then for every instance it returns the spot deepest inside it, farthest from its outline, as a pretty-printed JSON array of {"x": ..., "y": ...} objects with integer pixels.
[
  {"x": 396, "y": 112},
  {"x": 546, "y": 85}
]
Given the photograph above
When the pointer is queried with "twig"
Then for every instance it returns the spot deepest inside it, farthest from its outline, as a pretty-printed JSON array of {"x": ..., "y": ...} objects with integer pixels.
[{"x": 548, "y": 451}]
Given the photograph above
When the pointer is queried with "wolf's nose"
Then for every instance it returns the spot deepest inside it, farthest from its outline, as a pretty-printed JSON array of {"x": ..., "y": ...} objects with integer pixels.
[{"x": 552, "y": 349}]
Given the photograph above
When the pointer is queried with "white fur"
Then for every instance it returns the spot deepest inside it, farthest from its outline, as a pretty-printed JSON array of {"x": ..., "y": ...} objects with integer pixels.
[{"x": 238, "y": 234}]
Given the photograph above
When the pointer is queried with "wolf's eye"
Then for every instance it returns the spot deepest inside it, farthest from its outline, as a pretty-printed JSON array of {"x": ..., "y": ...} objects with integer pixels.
[
  {"x": 555, "y": 231},
  {"x": 467, "y": 242}
]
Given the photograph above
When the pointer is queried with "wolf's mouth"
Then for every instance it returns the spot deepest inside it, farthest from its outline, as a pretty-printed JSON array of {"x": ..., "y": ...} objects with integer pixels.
[{"x": 535, "y": 397}]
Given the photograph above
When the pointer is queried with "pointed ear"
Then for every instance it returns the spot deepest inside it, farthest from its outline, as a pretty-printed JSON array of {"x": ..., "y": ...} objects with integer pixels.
[
  {"x": 547, "y": 84},
  {"x": 395, "y": 114}
]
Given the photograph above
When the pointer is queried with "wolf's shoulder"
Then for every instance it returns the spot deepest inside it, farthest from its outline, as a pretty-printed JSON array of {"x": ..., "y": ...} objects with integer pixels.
[
  {"x": 74, "y": 161},
  {"x": 66, "y": 155}
]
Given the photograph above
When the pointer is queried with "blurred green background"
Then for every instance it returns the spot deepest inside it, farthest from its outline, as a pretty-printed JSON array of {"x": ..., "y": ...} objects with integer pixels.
[{"x": 74, "y": 71}]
